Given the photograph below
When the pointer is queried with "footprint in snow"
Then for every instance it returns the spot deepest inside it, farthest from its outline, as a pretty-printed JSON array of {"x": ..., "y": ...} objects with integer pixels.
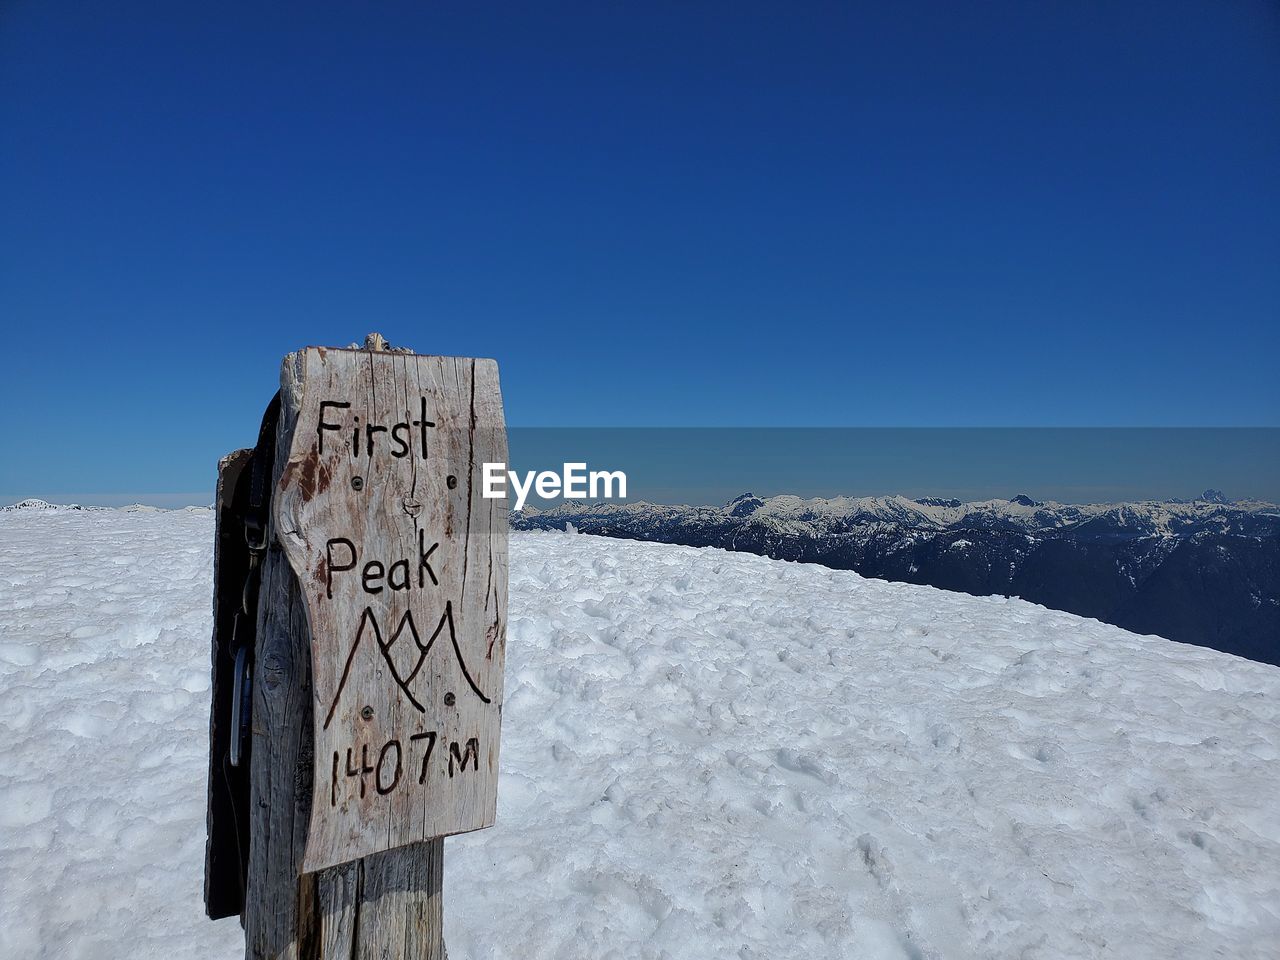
[{"x": 804, "y": 764}]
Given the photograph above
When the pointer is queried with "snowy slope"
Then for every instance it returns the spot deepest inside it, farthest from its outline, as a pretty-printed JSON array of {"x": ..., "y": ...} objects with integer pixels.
[{"x": 705, "y": 755}]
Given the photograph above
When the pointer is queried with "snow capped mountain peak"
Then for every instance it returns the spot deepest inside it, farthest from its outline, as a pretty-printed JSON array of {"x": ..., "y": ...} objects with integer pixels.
[
  {"x": 34, "y": 504},
  {"x": 743, "y": 506},
  {"x": 938, "y": 501}
]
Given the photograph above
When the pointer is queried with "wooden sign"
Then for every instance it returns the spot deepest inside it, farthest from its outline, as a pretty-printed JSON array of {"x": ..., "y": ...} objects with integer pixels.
[{"x": 402, "y": 565}]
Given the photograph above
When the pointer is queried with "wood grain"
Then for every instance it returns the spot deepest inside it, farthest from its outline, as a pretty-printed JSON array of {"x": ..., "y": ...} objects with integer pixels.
[{"x": 402, "y": 566}]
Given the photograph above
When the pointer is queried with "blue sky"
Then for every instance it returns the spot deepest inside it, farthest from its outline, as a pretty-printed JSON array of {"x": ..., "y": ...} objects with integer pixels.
[{"x": 651, "y": 214}]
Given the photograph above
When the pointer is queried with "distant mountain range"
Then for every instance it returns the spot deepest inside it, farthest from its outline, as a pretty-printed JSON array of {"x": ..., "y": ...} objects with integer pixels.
[
  {"x": 1203, "y": 571},
  {"x": 32, "y": 505}
]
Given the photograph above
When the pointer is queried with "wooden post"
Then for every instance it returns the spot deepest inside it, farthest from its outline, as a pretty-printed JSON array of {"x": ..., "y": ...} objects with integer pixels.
[
  {"x": 304, "y": 810},
  {"x": 227, "y": 827}
]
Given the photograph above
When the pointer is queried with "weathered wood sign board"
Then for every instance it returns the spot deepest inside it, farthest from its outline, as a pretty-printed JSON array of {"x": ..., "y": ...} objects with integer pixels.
[{"x": 402, "y": 565}]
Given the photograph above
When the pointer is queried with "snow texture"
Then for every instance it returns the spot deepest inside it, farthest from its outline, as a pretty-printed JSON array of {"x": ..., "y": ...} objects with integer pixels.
[{"x": 705, "y": 755}]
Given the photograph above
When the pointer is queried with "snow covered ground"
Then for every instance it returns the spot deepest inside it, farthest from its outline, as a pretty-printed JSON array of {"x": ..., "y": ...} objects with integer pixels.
[{"x": 705, "y": 755}]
